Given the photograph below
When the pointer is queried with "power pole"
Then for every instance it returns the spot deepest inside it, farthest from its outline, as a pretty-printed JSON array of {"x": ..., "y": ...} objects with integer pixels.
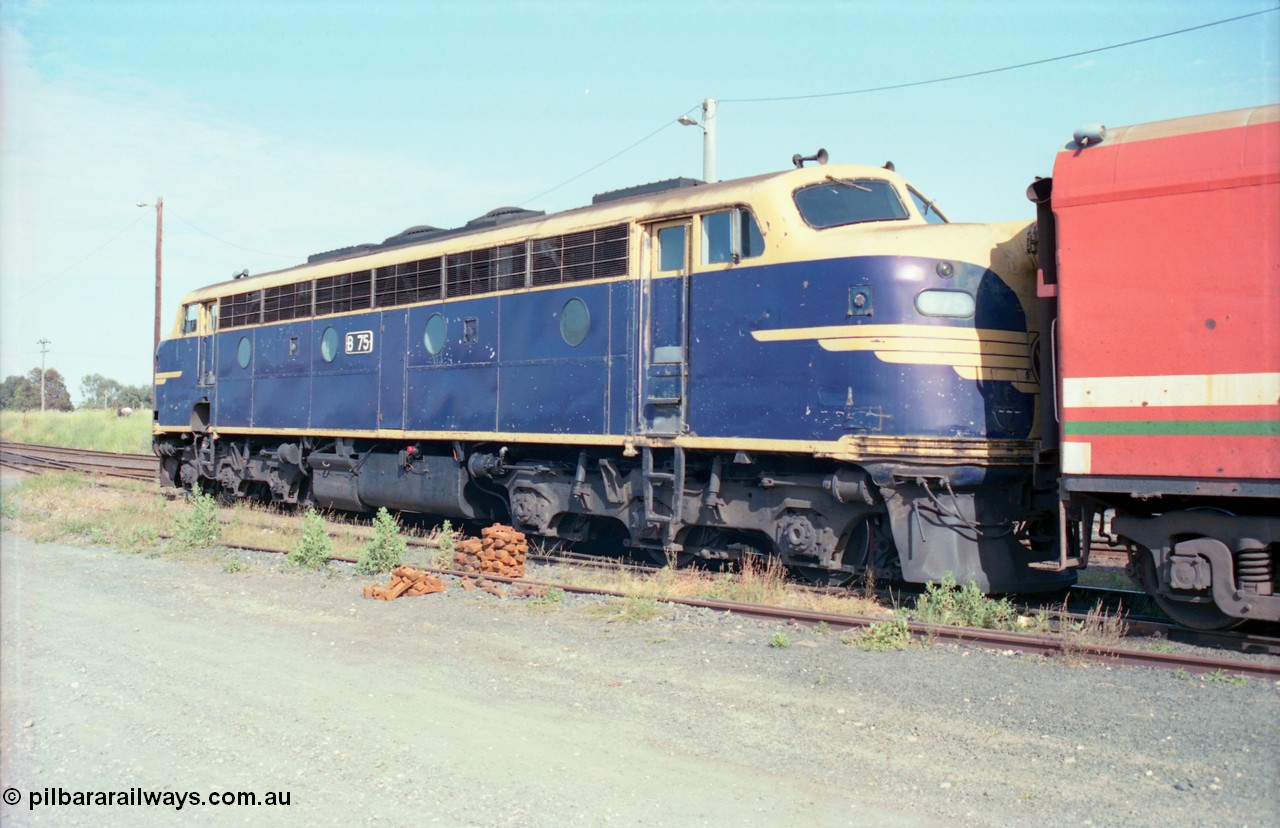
[
  {"x": 155, "y": 346},
  {"x": 155, "y": 343},
  {"x": 708, "y": 126},
  {"x": 709, "y": 140},
  {"x": 44, "y": 349}
]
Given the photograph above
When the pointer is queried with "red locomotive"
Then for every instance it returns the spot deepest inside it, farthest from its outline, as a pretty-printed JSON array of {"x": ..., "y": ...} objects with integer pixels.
[{"x": 1160, "y": 247}]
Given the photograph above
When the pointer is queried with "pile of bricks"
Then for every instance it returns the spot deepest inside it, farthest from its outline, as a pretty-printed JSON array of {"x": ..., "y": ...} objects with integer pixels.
[
  {"x": 500, "y": 550},
  {"x": 405, "y": 580}
]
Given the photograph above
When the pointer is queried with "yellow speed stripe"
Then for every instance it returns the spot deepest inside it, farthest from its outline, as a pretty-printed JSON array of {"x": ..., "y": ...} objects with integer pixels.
[{"x": 933, "y": 332}]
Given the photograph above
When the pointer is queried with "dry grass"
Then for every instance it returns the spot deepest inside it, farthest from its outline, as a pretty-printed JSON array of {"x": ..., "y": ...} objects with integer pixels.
[
  {"x": 756, "y": 583},
  {"x": 135, "y": 517},
  {"x": 1098, "y": 630},
  {"x": 71, "y": 508}
]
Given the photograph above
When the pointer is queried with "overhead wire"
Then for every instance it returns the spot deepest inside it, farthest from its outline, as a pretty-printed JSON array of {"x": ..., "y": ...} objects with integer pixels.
[
  {"x": 187, "y": 222},
  {"x": 80, "y": 261},
  {"x": 996, "y": 70},
  {"x": 610, "y": 158},
  {"x": 910, "y": 84}
]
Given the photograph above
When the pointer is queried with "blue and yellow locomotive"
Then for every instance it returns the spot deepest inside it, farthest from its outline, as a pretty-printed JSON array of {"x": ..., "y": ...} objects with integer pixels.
[{"x": 812, "y": 364}]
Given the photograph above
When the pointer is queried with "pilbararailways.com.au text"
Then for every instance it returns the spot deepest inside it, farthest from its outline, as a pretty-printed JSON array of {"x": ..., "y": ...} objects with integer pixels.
[{"x": 45, "y": 797}]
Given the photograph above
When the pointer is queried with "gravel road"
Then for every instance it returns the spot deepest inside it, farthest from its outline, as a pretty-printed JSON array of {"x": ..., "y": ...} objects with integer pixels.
[{"x": 126, "y": 672}]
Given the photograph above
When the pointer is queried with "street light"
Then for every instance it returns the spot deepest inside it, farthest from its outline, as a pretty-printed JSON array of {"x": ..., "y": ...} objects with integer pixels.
[
  {"x": 708, "y": 126},
  {"x": 155, "y": 346}
]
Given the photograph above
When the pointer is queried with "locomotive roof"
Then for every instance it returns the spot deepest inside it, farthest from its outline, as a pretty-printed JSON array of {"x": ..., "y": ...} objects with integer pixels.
[
  {"x": 647, "y": 206},
  {"x": 1184, "y": 126}
]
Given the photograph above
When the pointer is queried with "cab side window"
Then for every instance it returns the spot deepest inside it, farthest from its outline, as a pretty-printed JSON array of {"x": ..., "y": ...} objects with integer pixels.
[
  {"x": 671, "y": 246},
  {"x": 730, "y": 236},
  {"x": 717, "y": 237},
  {"x": 190, "y": 318}
]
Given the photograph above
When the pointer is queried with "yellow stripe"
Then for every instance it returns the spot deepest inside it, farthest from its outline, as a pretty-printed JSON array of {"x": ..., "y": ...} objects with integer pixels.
[
  {"x": 1023, "y": 380},
  {"x": 961, "y": 348},
  {"x": 848, "y": 449},
  {"x": 912, "y": 344},
  {"x": 163, "y": 376},
  {"x": 955, "y": 360},
  {"x": 869, "y": 331}
]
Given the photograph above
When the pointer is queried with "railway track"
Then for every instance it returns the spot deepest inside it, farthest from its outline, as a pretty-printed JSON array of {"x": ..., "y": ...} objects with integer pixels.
[
  {"x": 1049, "y": 645},
  {"x": 34, "y": 458}
]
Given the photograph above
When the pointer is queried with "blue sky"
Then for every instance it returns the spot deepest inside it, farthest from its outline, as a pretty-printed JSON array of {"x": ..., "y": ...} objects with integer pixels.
[{"x": 275, "y": 128}]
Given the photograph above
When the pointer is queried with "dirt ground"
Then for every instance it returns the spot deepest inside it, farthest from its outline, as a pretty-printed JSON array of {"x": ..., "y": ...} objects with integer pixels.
[{"x": 124, "y": 672}]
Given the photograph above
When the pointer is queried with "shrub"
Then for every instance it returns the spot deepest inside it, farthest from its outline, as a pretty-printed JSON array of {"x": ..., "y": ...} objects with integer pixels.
[
  {"x": 198, "y": 528},
  {"x": 780, "y": 640},
  {"x": 387, "y": 548},
  {"x": 886, "y": 636},
  {"x": 946, "y": 604},
  {"x": 442, "y": 557},
  {"x": 314, "y": 547}
]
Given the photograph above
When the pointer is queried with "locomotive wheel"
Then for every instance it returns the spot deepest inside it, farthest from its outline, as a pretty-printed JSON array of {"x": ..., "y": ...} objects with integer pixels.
[
  {"x": 657, "y": 557},
  {"x": 1196, "y": 616},
  {"x": 857, "y": 552},
  {"x": 818, "y": 576}
]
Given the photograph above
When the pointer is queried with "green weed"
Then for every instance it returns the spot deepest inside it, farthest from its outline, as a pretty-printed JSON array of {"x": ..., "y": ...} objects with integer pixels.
[
  {"x": 886, "y": 636},
  {"x": 554, "y": 599},
  {"x": 630, "y": 610},
  {"x": 234, "y": 565},
  {"x": 944, "y": 603},
  {"x": 386, "y": 549},
  {"x": 780, "y": 640},
  {"x": 446, "y": 539},
  {"x": 1235, "y": 680},
  {"x": 314, "y": 547},
  {"x": 198, "y": 528}
]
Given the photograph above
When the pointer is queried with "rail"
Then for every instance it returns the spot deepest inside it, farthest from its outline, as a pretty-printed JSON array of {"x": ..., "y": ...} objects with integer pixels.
[{"x": 34, "y": 458}]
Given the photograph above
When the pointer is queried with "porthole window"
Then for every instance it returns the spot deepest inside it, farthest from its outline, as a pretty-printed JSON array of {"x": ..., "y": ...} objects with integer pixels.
[
  {"x": 945, "y": 303},
  {"x": 328, "y": 344},
  {"x": 433, "y": 334},
  {"x": 244, "y": 352},
  {"x": 575, "y": 321}
]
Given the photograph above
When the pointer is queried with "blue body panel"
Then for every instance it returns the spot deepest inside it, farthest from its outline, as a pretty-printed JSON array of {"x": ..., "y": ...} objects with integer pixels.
[
  {"x": 505, "y": 366},
  {"x": 545, "y": 384},
  {"x": 797, "y": 391},
  {"x": 282, "y": 375},
  {"x": 344, "y": 392},
  {"x": 233, "y": 389}
]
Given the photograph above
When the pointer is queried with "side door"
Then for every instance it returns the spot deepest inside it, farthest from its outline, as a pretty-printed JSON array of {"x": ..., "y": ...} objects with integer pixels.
[
  {"x": 207, "y": 358},
  {"x": 203, "y": 412},
  {"x": 664, "y": 326},
  {"x": 392, "y": 353}
]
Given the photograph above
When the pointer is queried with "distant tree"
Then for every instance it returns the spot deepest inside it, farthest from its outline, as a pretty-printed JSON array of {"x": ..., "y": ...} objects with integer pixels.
[
  {"x": 56, "y": 395},
  {"x": 98, "y": 391},
  {"x": 136, "y": 396},
  {"x": 15, "y": 394}
]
